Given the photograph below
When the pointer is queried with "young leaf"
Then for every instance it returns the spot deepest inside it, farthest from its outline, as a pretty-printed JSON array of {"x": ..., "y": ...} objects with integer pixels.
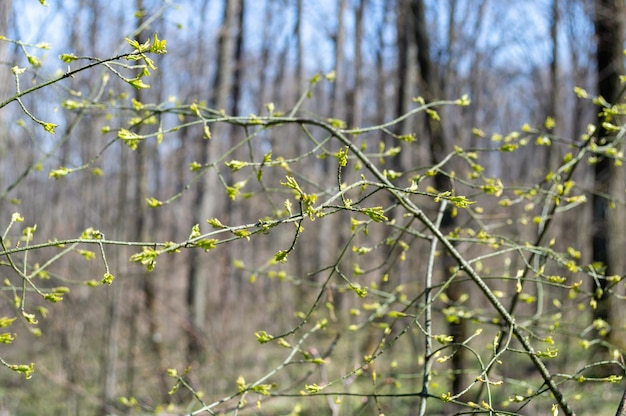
[
  {"x": 107, "y": 279},
  {"x": 147, "y": 257},
  {"x": 263, "y": 337},
  {"x": 153, "y": 202},
  {"x": 158, "y": 45},
  {"x": 376, "y": 213}
]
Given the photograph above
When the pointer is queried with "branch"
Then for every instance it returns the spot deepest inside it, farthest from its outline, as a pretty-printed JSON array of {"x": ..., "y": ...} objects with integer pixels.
[{"x": 463, "y": 264}]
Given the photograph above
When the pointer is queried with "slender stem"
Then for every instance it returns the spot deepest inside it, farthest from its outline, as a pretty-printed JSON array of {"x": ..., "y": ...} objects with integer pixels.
[
  {"x": 428, "y": 347},
  {"x": 68, "y": 74},
  {"x": 463, "y": 264},
  {"x": 282, "y": 365}
]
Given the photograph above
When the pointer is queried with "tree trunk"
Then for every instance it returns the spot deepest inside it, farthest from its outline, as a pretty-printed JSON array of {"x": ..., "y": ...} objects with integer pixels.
[
  {"x": 336, "y": 103},
  {"x": 609, "y": 30},
  {"x": 147, "y": 289},
  {"x": 239, "y": 62},
  {"x": 204, "y": 201},
  {"x": 356, "y": 97},
  {"x": 552, "y": 157},
  {"x": 403, "y": 80},
  {"x": 300, "y": 49},
  {"x": 438, "y": 150},
  {"x": 233, "y": 284},
  {"x": 6, "y": 85},
  {"x": 327, "y": 247},
  {"x": 381, "y": 76}
]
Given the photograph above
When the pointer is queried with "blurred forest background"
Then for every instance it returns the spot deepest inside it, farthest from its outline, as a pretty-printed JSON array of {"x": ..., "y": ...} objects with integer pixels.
[{"x": 518, "y": 62}]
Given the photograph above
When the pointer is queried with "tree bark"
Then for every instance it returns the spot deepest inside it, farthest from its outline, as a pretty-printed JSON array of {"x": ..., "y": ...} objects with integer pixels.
[
  {"x": 299, "y": 48},
  {"x": 356, "y": 97},
  {"x": 438, "y": 150},
  {"x": 5, "y": 77},
  {"x": 336, "y": 103},
  {"x": 147, "y": 289},
  {"x": 327, "y": 247},
  {"x": 552, "y": 157},
  {"x": 609, "y": 30},
  {"x": 402, "y": 30},
  {"x": 239, "y": 62},
  {"x": 204, "y": 201}
]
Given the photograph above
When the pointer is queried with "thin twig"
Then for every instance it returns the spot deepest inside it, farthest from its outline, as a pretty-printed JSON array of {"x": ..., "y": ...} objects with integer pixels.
[{"x": 428, "y": 347}]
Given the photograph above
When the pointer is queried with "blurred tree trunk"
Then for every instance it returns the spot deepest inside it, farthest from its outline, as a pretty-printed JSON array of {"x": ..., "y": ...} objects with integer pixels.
[
  {"x": 113, "y": 298},
  {"x": 204, "y": 204},
  {"x": 438, "y": 149},
  {"x": 477, "y": 80},
  {"x": 139, "y": 229},
  {"x": 355, "y": 108},
  {"x": 337, "y": 101},
  {"x": 194, "y": 299},
  {"x": 299, "y": 48},
  {"x": 6, "y": 7},
  {"x": 403, "y": 89},
  {"x": 580, "y": 114},
  {"x": 266, "y": 49},
  {"x": 233, "y": 284},
  {"x": 608, "y": 241},
  {"x": 302, "y": 256},
  {"x": 381, "y": 76},
  {"x": 238, "y": 81},
  {"x": 337, "y": 110},
  {"x": 552, "y": 155}
]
